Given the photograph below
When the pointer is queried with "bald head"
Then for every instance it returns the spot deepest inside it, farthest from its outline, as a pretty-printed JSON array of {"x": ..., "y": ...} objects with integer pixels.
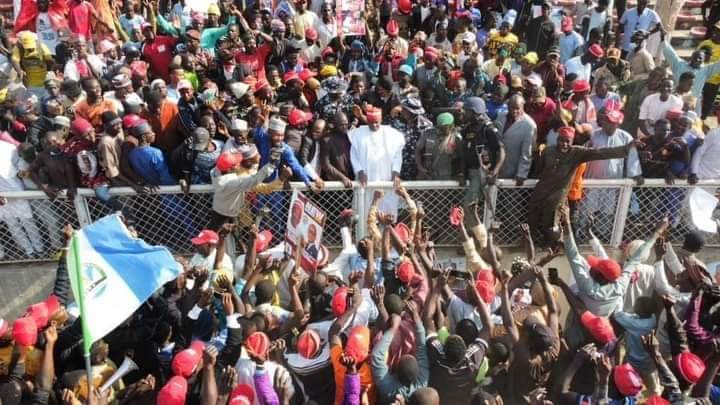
[
  {"x": 424, "y": 396},
  {"x": 516, "y": 107}
]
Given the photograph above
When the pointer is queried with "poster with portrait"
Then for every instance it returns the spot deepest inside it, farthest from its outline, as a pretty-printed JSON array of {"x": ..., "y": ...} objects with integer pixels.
[
  {"x": 350, "y": 16},
  {"x": 305, "y": 220}
]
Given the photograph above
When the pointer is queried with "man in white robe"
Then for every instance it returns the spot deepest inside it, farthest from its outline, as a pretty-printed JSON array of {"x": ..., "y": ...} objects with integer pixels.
[
  {"x": 602, "y": 202},
  {"x": 376, "y": 155}
]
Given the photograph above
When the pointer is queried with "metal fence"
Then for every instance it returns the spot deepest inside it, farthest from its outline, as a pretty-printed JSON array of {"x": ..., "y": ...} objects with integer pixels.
[{"x": 31, "y": 229}]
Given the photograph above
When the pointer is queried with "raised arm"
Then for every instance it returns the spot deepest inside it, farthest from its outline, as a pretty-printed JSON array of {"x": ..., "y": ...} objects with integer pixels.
[{"x": 506, "y": 311}]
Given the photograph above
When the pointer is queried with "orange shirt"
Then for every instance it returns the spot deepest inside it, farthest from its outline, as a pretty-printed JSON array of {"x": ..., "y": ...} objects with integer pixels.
[
  {"x": 339, "y": 371},
  {"x": 576, "y": 187},
  {"x": 167, "y": 136},
  {"x": 93, "y": 113}
]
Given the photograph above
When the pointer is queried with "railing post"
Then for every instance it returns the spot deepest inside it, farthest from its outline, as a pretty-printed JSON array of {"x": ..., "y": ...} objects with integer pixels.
[
  {"x": 82, "y": 210},
  {"x": 359, "y": 202},
  {"x": 621, "y": 213},
  {"x": 490, "y": 206}
]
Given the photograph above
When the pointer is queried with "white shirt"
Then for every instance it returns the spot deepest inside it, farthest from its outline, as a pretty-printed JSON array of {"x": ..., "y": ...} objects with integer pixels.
[
  {"x": 46, "y": 32},
  {"x": 209, "y": 261},
  {"x": 378, "y": 154},
  {"x": 575, "y": 65},
  {"x": 705, "y": 163},
  {"x": 653, "y": 109},
  {"x": 613, "y": 168}
]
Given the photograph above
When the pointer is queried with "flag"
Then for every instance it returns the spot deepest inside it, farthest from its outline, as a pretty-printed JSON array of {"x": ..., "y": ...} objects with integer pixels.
[{"x": 112, "y": 274}]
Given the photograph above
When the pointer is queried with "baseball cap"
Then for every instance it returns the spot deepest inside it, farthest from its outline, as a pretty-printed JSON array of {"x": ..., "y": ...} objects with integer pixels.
[
  {"x": 174, "y": 392},
  {"x": 263, "y": 240},
  {"x": 185, "y": 362},
  {"x": 405, "y": 272},
  {"x": 25, "y": 331},
  {"x": 308, "y": 343},
  {"x": 339, "y": 301},
  {"x": 227, "y": 161},
  {"x": 358, "y": 343},
  {"x": 609, "y": 269},
  {"x": 299, "y": 117},
  {"x": 205, "y": 236},
  {"x": 598, "y": 327}
]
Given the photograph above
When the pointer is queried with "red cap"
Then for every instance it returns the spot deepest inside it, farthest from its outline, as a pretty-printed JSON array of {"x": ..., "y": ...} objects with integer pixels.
[
  {"x": 39, "y": 313},
  {"x": 358, "y": 343},
  {"x": 431, "y": 52},
  {"x": 455, "y": 216},
  {"x": 567, "y": 24},
  {"x": 486, "y": 291},
  {"x": 690, "y": 366},
  {"x": 374, "y": 115},
  {"x": 656, "y": 400},
  {"x": 138, "y": 69},
  {"x": 130, "y": 121},
  {"x": 327, "y": 51},
  {"x": 596, "y": 50},
  {"x": 308, "y": 343},
  {"x": 403, "y": 232},
  {"x": 311, "y": 34},
  {"x": 243, "y": 394},
  {"x": 258, "y": 344},
  {"x": 674, "y": 114},
  {"x": 263, "y": 240},
  {"x": 145, "y": 26},
  {"x": 405, "y": 6},
  {"x": 306, "y": 74},
  {"x": 339, "y": 301},
  {"x": 173, "y": 393},
  {"x": 299, "y": 117},
  {"x": 53, "y": 304},
  {"x": 392, "y": 28},
  {"x": 185, "y": 362},
  {"x": 613, "y": 104},
  {"x": 80, "y": 126},
  {"x": 598, "y": 326},
  {"x": 25, "y": 331},
  {"x": 261, "y": 84},
  {"x": 227, "y": 161},
  {"x": 485, "y": 275},
  {"x": 290, "y": 76},
  {"x": 627, "y": 380},
  {"x": 566, "y": 132},
  {"x": 615, "y": 117},
  {"x": 205, "y": 236},
  {"x": 406, "y": 272},
  {"x": 609, "y": 269},
  {"x": 580, "y": 86}
]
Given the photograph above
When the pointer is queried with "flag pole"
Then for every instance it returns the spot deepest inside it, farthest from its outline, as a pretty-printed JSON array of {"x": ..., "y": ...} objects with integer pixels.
[{"x": 87, "y": 343}]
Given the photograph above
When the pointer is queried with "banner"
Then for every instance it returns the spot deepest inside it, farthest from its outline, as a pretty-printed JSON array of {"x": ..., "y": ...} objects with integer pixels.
[
  {"x": 350, "y": 16},
  {"x": 305, "y": 220},
  {"x": 112, "y": 274}
]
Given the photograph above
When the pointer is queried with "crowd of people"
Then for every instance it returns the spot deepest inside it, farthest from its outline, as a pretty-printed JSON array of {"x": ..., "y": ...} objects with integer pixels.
[{"x": 248, "y": 95}]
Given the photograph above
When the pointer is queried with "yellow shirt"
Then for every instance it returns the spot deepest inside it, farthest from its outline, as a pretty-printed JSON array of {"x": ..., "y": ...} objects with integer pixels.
[
  {"x": 714, "y": 57},
  {"x": 34, "y": 64},
  {"x": 497, "y": 41}
]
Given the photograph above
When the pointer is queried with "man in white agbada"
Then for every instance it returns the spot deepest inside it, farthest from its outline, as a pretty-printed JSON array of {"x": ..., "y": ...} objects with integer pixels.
[
  {"x": 602, "y": 202},
  {"x": 16, "y": 214},
  {"x": 376, "y": 155}
]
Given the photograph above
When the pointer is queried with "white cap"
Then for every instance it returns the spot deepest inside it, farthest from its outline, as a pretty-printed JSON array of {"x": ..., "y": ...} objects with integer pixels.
[
  {"x": 238, "y": 125},
  {"x": 239, "y": 89},
  {"x": 276, "y": 124}
]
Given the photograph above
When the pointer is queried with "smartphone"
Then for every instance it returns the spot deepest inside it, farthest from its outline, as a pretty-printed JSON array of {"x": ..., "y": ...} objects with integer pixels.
[{"x": 462, "y": 275}]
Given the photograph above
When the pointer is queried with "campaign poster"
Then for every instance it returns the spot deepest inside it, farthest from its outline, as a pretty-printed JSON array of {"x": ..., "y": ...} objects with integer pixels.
[
  {"x": 305, "y": 220},
  {"x": 350, "y": 16}
]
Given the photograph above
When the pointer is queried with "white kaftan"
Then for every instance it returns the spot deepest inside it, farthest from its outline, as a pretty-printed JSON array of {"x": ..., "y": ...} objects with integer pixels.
[{"x": 378, "y": 154}]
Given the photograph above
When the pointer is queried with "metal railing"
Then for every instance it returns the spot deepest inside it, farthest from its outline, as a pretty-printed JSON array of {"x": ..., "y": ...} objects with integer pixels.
[{"x": 31, "y": 224}]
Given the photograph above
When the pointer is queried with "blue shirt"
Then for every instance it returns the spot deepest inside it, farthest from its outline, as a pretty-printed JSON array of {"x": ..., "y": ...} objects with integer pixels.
[
  {"x": 493, "y": 109},
  {"x": 569, "y": 44},
  {"x": 632, "y": 21},
  {"x": 149, "y": 162},
  {"x": 264, "y": 144},
  {"x": 635, "y": 327}
]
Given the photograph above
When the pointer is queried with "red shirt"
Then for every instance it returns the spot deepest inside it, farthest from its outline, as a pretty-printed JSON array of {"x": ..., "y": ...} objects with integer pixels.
[
  {"x": 255, "y": 61},
  {"x": 159, "y": 54},
  {"x": 542, "y": 116},
  {"x": 79, "y": 18}
]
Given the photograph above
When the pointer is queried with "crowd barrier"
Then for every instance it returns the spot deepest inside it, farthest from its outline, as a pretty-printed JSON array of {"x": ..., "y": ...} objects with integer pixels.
[{"x": 623, "y": 211}]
